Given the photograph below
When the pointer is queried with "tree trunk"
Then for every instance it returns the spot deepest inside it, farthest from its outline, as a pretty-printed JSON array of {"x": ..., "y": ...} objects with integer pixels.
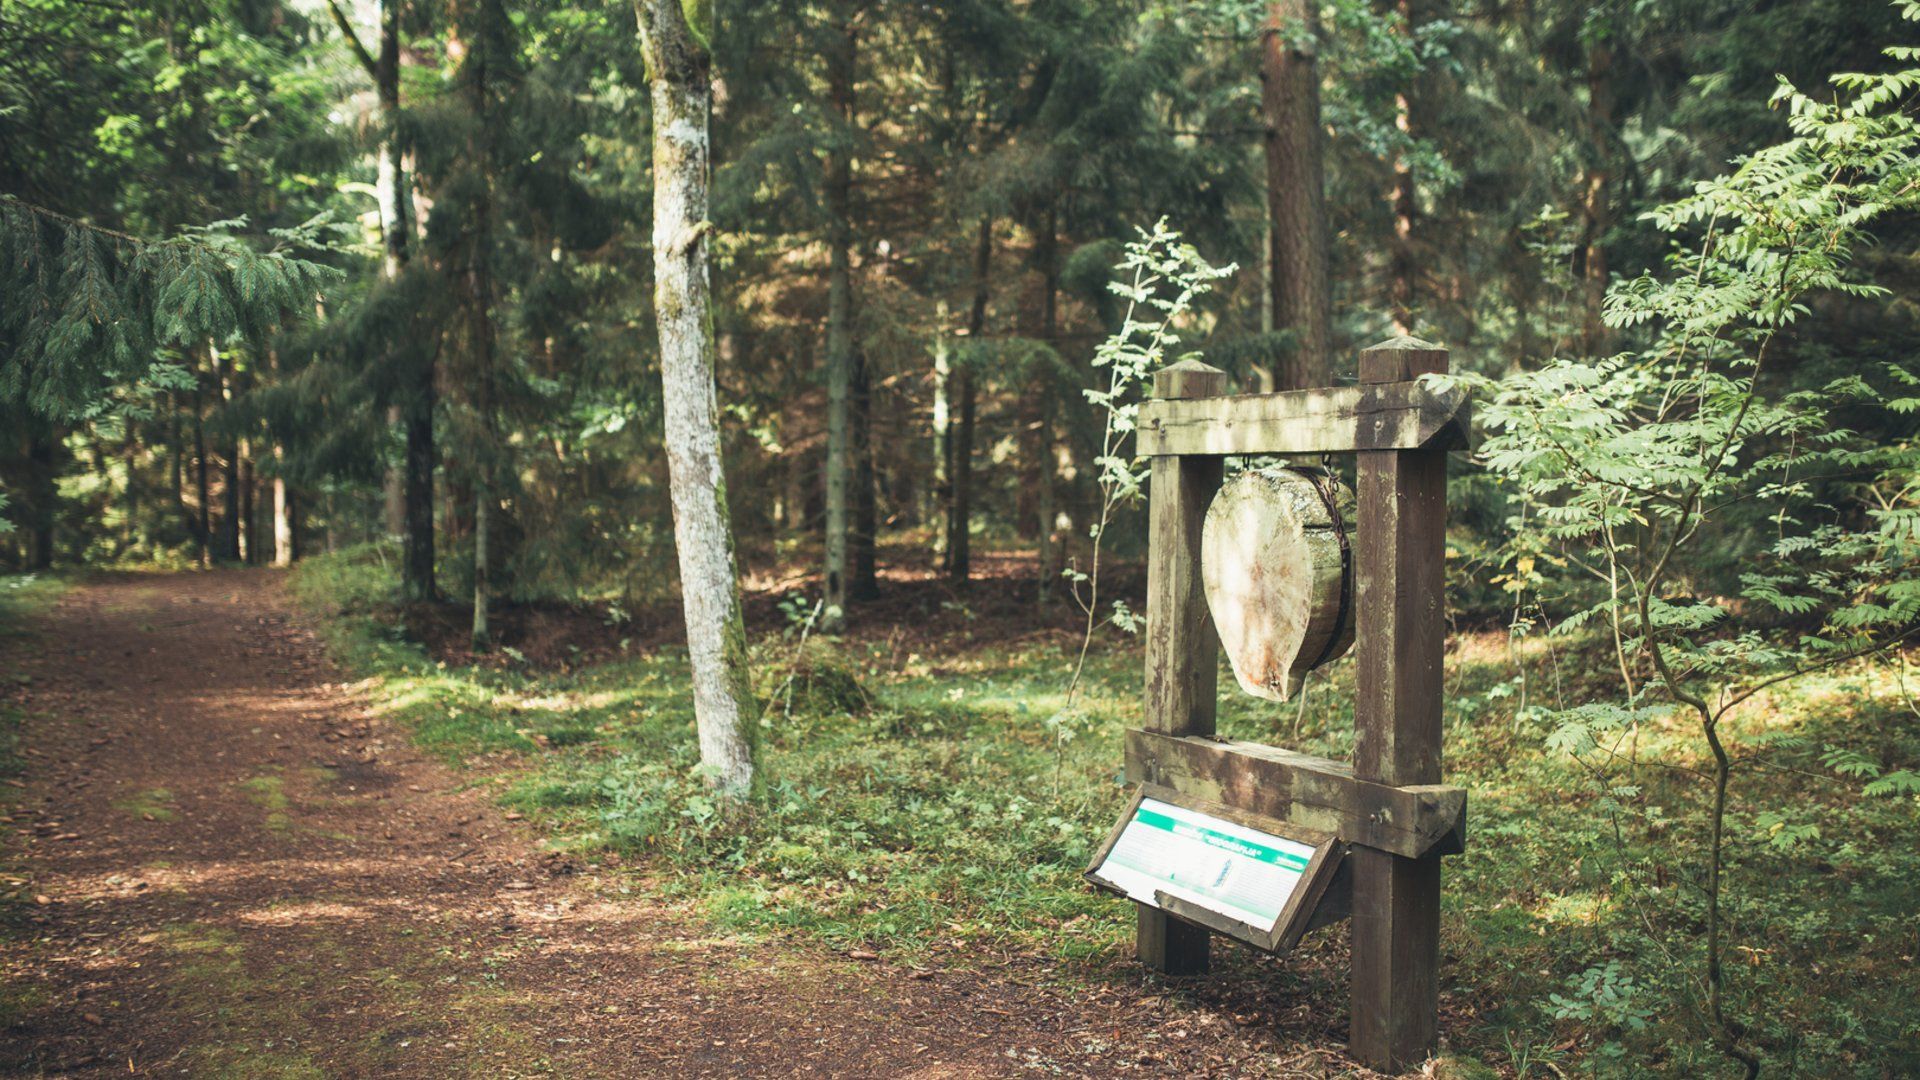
[
  {"x": 1595, "y": 198},
  {"x": 177, "y": 467},
  {"x": 396, "y": 226},
  {"x": 481, "y": 637},
  {"x": 417, "y": 557},
  {"x": 960, "y": 509},
  {"x": 282, "y": 516},
  {"x": 725, "y": 712},
  {"x": 203, "y": 536},
  {"x": 43, "y": 490},
  {"x": 228, "y": 548},
  {"x": 414, "y": 410},
  {"x": 394, "y": 486},
  {"x": 942, "y": 430},
  {"x": 1041, "y": 391},
  {"x": 864, "y": 581},
  {"x": 475, "y": 74},
  {"x": 249, "y": 523},
  {"x": 840, "y": 359},
  {"x": 1296, "y": 192},
  {"x": 130, "y": 457}
]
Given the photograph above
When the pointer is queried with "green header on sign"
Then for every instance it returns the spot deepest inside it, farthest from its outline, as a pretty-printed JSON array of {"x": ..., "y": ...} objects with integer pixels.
[{"x": 1215, "y": 838}]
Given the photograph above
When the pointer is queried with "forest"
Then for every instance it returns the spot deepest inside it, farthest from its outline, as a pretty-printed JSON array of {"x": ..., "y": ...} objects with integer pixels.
[{"x": 659, "y": 538}]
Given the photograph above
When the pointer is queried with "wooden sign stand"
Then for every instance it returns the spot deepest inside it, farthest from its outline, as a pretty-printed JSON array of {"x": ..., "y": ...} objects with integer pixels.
[{"x": 1389, "y": 805}]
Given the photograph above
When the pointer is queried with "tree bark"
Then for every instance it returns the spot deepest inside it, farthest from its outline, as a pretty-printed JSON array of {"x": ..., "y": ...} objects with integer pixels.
[
  {"x": 1041, "y": 392},
  {"x": 1296, "y": 192},
  {"x": 282, "y": 516},
  {"x": 1402, "y": 270},
  {"x": 416, "y": 572},
  {"x": 840, "y": 359},
  {"x": 130, "y": 459},
  {"x": 229, "y": 545},
  {"x": 396, "y": 226},
  {"x": 863, "y": 582},
  {"x": 960, "y": 508},
  {"x": 249, "y": 523},
  {"x": 414, "y": 411},
  {"x": 942, "y": 430},
  {"x": 725, "y": 712},
  {"x": 1596, "y": 197},
  {"x": 475, "y": 73},
  {"x": 203, "y": 536},
  {"x": 43, "y": 490}
]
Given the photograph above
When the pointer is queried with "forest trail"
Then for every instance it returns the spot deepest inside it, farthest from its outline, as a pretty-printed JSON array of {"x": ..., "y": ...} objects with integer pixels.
[{"x": 231, "y": 868}]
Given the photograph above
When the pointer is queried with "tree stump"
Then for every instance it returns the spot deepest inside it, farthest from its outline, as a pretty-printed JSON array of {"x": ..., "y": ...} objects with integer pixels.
[{"x": 1273, "y": 556}]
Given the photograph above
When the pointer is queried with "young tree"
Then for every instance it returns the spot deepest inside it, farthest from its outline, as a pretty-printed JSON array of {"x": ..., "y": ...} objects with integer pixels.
[
  {"x": 676, "y": 42},
  {"x": 1642, "y": 470}
]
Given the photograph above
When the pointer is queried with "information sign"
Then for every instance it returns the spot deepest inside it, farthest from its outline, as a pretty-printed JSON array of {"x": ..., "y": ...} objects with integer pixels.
[{"x": 1253, "y": 883}]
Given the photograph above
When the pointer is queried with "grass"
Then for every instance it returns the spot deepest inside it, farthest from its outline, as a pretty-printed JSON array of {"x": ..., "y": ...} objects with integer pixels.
[{"x": 953, "y": 813}]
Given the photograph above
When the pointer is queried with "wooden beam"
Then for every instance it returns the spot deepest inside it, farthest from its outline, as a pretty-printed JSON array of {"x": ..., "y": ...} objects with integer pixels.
[
  {"x": 1302, "y": 790},
  {"x": 1399, "y": 415},
  {"x": 1182, "y": 650},
  {"x": 1400, "y": 571}
]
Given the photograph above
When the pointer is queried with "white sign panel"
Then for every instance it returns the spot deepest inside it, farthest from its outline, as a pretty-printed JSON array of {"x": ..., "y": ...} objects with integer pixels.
[{"x": 1242, "y": 873}]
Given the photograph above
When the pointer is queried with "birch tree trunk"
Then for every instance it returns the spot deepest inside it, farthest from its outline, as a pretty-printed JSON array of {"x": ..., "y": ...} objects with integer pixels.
[{"x": 725, "y": 713}]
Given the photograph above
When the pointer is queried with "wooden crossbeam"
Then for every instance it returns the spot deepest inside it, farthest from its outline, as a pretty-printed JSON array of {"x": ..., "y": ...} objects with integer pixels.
[
  {"x": 1337, "y": 419},
  {"x": 1308, "y": 791}
]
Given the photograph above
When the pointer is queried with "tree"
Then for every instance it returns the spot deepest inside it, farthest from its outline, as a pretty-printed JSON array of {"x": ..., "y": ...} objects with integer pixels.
[
  {"x": 409, "y": 485},
  {"x": 842, "y": 55},
  {"x": 1296, "y": 191},
  {"x": 676, "y": 42},
  {"x": 1644, "y": 472}
]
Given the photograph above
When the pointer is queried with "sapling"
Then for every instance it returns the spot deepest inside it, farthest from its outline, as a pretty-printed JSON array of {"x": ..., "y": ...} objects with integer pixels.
[
  {"x": 1633, "y": 468},
  {"x": 1159, "y": 277}
]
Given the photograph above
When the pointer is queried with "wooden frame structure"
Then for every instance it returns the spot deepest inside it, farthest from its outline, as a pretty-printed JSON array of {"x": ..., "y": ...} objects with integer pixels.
[{"x": 1388, "y": 807}]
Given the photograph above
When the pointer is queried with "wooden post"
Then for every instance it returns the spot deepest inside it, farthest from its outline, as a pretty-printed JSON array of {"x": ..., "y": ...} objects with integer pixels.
[
  {"x": 1401, "y": 627},
  {"x": 1183, "y": 652}
]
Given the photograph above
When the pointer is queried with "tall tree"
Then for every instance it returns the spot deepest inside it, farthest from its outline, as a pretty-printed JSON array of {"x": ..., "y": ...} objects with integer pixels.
[
  {"x": 409, "y": 486},
  {"x": 675, "y": 41},
  {"x": 1296, "y": 191},
  {"x": 842, "y": 46}
]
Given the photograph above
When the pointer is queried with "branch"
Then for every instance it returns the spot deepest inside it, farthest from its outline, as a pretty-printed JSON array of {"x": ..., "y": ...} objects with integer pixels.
[
  {"x": 72, "y": 222},
  {"x": 360, "y": 52},
  {"x": 1832, "y": 661}
]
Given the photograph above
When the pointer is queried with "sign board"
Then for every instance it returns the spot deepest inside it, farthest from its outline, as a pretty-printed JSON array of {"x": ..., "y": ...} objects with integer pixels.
[{"x": 1256, "y": 880}]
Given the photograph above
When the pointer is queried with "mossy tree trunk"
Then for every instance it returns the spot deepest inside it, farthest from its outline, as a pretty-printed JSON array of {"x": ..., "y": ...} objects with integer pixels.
[{"x": 679, "y": 67}]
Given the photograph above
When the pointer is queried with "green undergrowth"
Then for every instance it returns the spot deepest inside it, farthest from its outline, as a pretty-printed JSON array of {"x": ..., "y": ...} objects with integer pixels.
[{"x": 939, "y": 808}]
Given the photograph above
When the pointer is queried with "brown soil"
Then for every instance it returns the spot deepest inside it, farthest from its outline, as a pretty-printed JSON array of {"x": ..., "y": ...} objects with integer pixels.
[{"x": 224, "y": 866}]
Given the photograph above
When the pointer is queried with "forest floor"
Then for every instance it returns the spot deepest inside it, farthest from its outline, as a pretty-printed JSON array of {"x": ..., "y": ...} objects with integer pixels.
[{"x": 226, "y": 863}]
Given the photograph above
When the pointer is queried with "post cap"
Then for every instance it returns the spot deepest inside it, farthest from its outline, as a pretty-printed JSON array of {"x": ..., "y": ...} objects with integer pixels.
[
  {"x": 1398, "y": 359},
  {"x": 1189, "y": 379}
]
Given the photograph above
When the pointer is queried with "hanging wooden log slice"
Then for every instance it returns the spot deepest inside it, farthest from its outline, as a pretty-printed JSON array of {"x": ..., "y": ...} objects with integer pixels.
[{"x": 1273, "y": 557}]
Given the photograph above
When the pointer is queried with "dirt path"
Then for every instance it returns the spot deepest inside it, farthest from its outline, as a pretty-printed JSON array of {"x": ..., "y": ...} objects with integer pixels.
[{"x": 229, "y": 869}]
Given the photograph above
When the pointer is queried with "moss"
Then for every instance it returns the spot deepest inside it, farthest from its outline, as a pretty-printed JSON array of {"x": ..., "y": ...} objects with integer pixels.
[{"x": 154, "y": 804}]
